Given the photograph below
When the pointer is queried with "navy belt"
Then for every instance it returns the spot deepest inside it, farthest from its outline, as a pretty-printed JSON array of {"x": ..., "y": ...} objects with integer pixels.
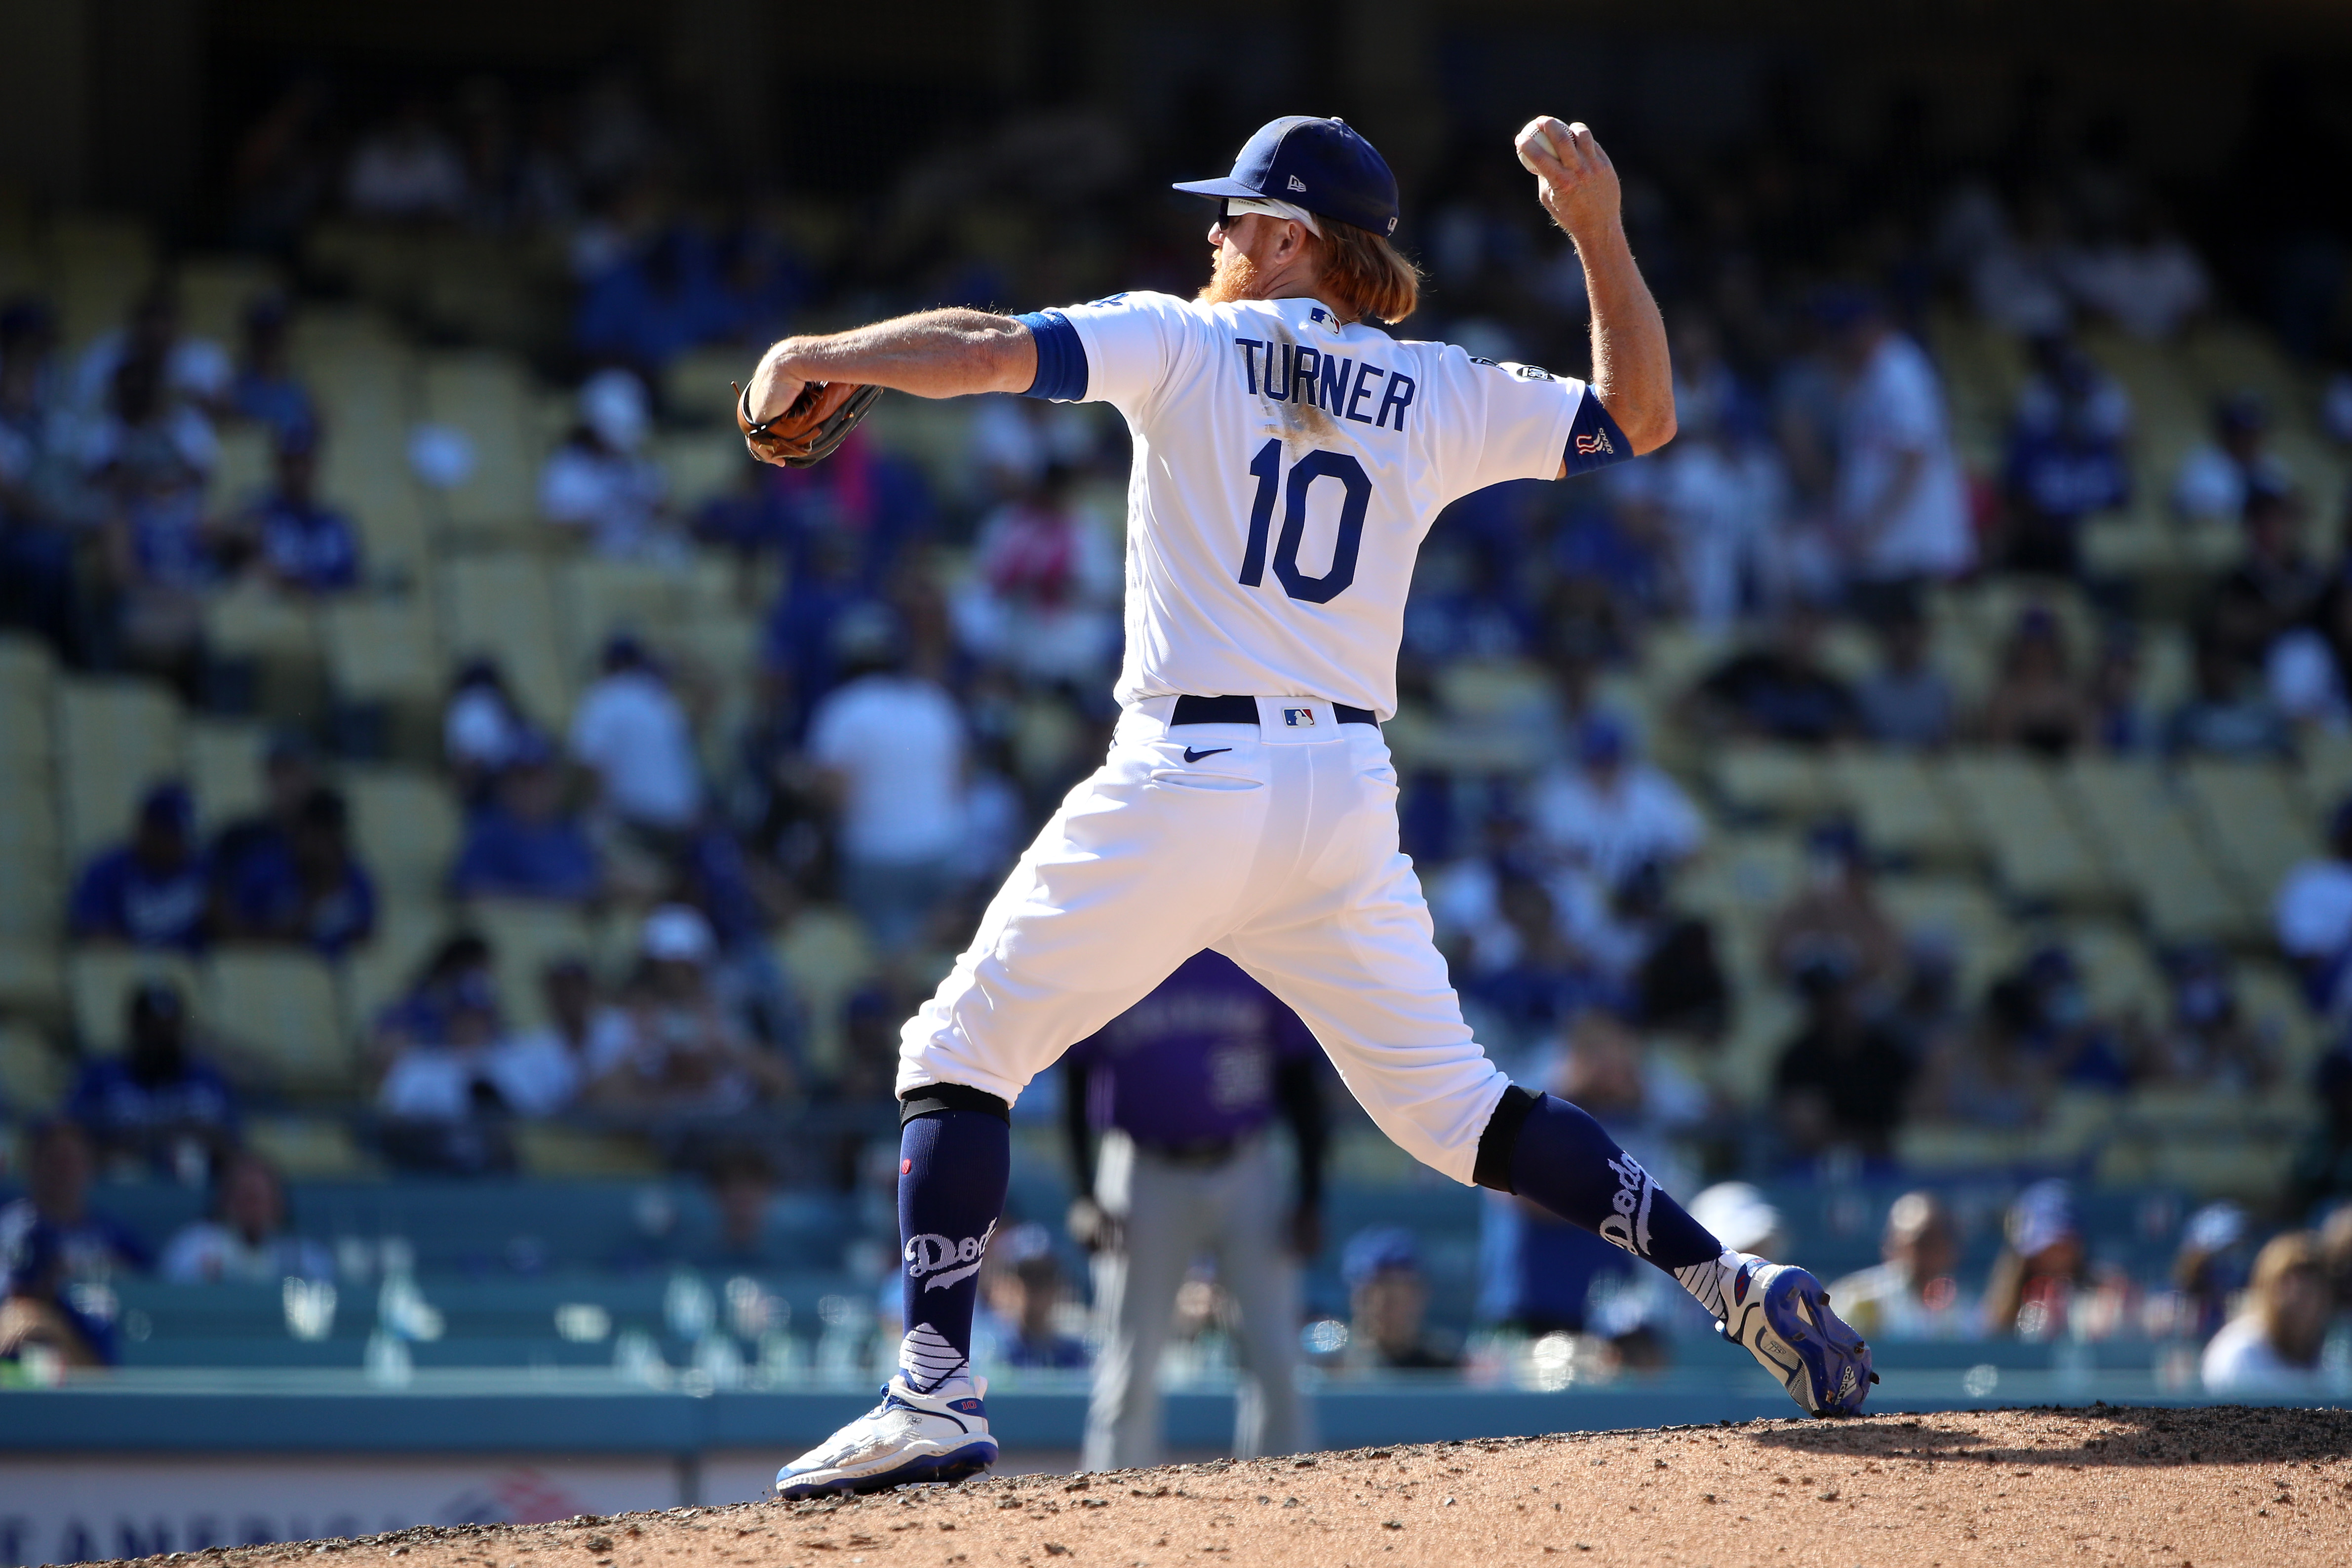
[{"x": 1244, "y": 710}]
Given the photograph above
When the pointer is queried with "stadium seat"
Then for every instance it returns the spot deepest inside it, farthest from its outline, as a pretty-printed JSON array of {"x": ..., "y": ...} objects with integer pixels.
[
  {"x": 551, "y": 1148},
  {"x": 600, "y": 597},
  {"x": 382, "y": 650},
  {"x": 1945, "y": 1147},
  {"x": 1760, "y": 779},
  {"x": 215, "y": 292},
  {"x": 405, "y": 825},
  {"x": 2012, "y": 806},
  {"x": 117, "y": 737},
  {"x": 1745, "y": 876},
  {"x": 825, "y": 957},
  {"x": 2253, "y": 816},
  {"x": 33, "y": 981},
  {"x": 224, "y": 769},
  {"x": 2128, "y": 810},
  {"x": 1895, "y": 802},
  {"x": 704, "y": 466},
  {"x": 34, "y": 1076},
  {"x": 2272, "y": 1000},
  {"x": 487, "y": 396},
  {"x": 696, "y": 384},
  {"x": 525, "y": 937},
  {"x": 1960, "y": 914},
  {"x": 2118, "y": 974},
  {"x": 278, "y": 1006},
  {"x": 501, "y": 604},
  {"x": 103, "y": 979},
  {"x": 309, "y": 1148},
  {"x": 373, "y": 977}
]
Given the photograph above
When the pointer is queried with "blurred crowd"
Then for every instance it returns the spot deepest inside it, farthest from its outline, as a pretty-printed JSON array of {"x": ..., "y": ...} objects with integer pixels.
[{"x": 936, "y": 657}]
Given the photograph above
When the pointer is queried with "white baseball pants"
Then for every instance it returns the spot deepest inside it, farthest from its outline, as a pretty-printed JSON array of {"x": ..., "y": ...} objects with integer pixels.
[
  {"x": 1275, "y": 845},
  {"x": 1172, "y": 1214}
]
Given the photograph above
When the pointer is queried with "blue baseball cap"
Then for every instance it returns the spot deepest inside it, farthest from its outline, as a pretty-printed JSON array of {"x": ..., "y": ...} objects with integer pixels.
[
  {"x": 1323, "y": 165},
  {"x": 1376, "y": 1249}
]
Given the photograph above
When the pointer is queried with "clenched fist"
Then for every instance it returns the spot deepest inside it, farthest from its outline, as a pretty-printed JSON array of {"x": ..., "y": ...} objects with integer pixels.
[{"x": 1574, "y": 178}]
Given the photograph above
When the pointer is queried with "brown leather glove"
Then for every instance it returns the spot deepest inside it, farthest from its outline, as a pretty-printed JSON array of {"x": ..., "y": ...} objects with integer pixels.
[{"x": 819, "y": 420}]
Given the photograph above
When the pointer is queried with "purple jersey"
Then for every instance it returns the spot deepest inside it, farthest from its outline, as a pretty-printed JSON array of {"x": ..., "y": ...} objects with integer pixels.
[{"x": 1195, "y": 1060}]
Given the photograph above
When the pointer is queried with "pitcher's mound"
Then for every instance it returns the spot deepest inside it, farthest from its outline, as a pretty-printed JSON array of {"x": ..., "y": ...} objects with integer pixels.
[{"x": 2158, "y": 1487}]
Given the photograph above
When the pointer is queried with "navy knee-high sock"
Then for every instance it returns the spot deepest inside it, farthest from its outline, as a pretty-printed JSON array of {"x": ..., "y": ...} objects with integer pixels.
[
  {"x": 1565, "y": 1161},
  {"x": 953, "y": 1166}
]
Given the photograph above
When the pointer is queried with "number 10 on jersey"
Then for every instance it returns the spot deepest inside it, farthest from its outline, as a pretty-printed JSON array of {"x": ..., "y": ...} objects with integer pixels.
[{"x": 1357, "y": 494}]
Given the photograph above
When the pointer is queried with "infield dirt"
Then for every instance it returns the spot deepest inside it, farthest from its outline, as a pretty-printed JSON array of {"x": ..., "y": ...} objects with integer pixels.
[{"x": 2194, "y": 1488}]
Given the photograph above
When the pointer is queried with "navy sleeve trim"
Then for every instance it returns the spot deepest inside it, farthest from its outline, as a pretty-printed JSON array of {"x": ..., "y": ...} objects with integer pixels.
[
  {"x": 1595, "y": 441},
  {"x": 1061, "y": 357}
]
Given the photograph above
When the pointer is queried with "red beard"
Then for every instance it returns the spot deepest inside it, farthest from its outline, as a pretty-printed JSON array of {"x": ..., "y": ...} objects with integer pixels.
[{"x": 1233, "y": 276}]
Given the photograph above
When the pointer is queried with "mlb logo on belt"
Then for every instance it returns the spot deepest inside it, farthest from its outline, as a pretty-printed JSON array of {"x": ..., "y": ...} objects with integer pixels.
[{"x": 1299, "y": 718}]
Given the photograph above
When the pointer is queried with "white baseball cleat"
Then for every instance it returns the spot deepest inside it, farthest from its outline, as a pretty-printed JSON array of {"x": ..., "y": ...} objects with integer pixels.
[{"x": 908, "y": 1438}]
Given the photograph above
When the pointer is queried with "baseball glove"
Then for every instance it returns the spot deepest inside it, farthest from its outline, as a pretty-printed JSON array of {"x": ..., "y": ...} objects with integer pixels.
[{"x": 819, "y": 420}]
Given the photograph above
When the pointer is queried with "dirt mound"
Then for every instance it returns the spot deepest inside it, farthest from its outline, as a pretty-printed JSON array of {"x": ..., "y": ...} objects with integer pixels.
[{"x": 2076, "y": 1486}]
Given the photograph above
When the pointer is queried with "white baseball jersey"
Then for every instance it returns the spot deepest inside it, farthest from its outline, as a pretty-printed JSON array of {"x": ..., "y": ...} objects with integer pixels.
[{"x": 1287, "y": 465}]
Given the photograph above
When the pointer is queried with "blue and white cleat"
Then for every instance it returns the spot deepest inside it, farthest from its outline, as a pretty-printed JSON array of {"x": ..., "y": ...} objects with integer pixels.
[
  {"x": 1782, "y": 1315},
  {"x": 906, "y": 1439}
]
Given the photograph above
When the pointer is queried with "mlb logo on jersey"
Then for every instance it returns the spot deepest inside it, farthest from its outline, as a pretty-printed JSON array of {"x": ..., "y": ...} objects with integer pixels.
[{"x": 1299, "y": 718}]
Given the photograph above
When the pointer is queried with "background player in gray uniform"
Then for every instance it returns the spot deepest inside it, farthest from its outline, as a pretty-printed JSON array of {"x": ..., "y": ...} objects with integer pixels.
[
  {"x": 1289, "y": 456},
  {"x": 1183, "y": 1088}
]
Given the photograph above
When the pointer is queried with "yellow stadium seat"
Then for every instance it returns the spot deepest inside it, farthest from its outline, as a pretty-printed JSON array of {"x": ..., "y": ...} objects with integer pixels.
[
  {"x": 1745, "y": 875},
  {"x": 487, "y": 396},
  {"x": 224, "y": 769},
  {"x": 34, "y": 1076},
  {"x": 2128, "y": 810},
  {"x": 1764, "y": 1020},
  {"x": 2254, "y": 817},
  {"x": 28, "y": 674},
  {"x": 383, "y": 650},
  {"x": 278, "y": 1006},
  {"x": 309, "y": 1148},
  {"x": 551, "y": 1150},
  {"x": 215, "y": 292},
  {"x": 525, "y": 937},
  {"x": 404, "y": 823},
  {"x": 703, "y": 467},
  {"x": 374, "y": 976},
  {"x": 501, "y": 604},
  {"x": 2118, "y": 974},
  {"x": 1895, "y": 802},
  {"x": 1947, "y": 1146},
  {"x": 253, "y": 620},
  {"x": 696, "y": 384},
  {"x": 1960, "y": 913},
  {"x": 601, "y": 597},
  {"x": 116, "y": 738},
  {"x": 33, "y": 981},
  {"x": 2271, "y": 1001},
  {"x": 102, "y": 979},
  {"x": 242, "y": 475},
  {"x": 825, "y": 957},
  {"x": 1770, "y": 780},
  {"x": 2014, "y": 808}
]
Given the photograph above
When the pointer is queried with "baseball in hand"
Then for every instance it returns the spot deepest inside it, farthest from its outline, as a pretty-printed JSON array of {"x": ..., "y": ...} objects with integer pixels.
[{"x": 1550, "y": 136}]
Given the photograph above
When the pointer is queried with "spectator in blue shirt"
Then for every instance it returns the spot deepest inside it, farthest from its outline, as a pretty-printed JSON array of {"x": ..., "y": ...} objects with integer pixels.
[
  {"x": 288, "y": 776},
  {"x": 308, "y": 889},
  {"x": 298, "y": 544},
  {"x": 524, "y": 844},
  {"x": 266, "y": 391},
  {"x": 2067, "y": 458},
  {"x": 39, "y": 1310},
  {"x": 152, "y": 890},
  {"x": 59, "y": 1169},
  {"x": 159, "y": 1100}
]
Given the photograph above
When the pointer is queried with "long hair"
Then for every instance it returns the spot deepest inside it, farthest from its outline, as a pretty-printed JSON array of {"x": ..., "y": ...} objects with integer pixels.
[{"x": 1364, "y": 271}]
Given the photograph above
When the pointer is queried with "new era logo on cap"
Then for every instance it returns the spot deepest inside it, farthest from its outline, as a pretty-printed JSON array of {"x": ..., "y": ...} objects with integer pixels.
[{"x": 1297, "y": 185}]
